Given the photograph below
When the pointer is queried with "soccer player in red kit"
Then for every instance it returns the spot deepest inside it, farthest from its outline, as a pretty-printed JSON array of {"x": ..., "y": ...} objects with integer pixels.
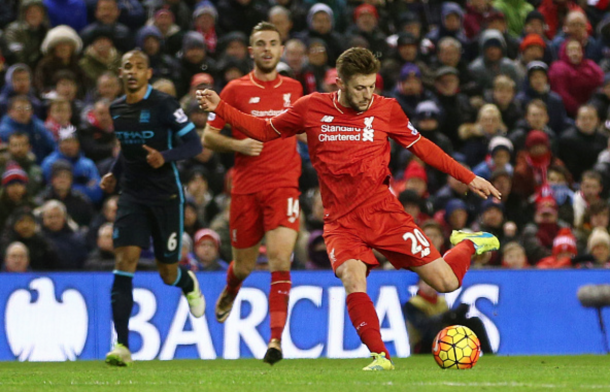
[
  {"x": 265, "y": 193},
  {"x": 347, "y": 133}
]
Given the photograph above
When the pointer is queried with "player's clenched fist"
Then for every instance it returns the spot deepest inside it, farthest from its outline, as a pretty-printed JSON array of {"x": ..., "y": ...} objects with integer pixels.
[
  {"x": 208, "y": 99},
  {"x": 250, "y": 147},
  {"x": 154, "y": 157}
]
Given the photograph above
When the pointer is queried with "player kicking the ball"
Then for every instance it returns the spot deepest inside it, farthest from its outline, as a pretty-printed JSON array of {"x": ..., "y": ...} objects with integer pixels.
[
  {"x": 147, "y": 122},
  {"x": 347, "y": 134},
  {"x": 265, "y": 193}
]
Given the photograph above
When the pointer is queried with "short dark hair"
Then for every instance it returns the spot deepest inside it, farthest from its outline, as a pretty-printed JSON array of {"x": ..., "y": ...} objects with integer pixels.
[
  {"x": 135, "y": 52},
  {"x": 18, "y": 98},
  {"x": 357, "y": 61},
  {"x": 263, "y": 26},
  {"x": 19, "y": 134},
  {"x": 592, "y": 175},
  {"x": 64, "y": 74},
  {"x": 539, "y": 103}
]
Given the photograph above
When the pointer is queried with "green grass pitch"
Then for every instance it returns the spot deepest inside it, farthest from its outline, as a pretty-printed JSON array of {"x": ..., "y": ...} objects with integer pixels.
[{"x": 417, "y": 373}]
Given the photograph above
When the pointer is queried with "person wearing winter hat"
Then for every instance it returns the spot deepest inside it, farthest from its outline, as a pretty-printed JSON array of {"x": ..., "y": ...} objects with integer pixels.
[
  {"x": 204, "y": 22},
  {"x": 100, "y": 56},
  {"x": 206, "y": 244},
  {"x": 598, "y": 246},
  {"x": 416, "y": 178},
  {"x": 321, "y": 25},
  {"x": 492, "y": 60},
  {"x": 14, "y": 191},
  {"x": 500, "y": 151},
  {"x": 366, "y": 18},
  {"x": 532, "y": 164},
  {"x": 164, "y": 19},
  {"x": 164, "y": 66},
  {"x": 194, "y": 59},
  {"x": 537, "y": 236},
  {"x": 491, "y": 220},
  {"x": 576, "y": 26},
  {"x": 18, "y": 81},
  {"x": 61, "y": 48},
  {"x": 564, "y": 250},
  {"x": 409, "y": 90},
  {"x": 25, "y": 35},
  {"x": 107, "y": 14},
  {"x": 455, "y": 216}
]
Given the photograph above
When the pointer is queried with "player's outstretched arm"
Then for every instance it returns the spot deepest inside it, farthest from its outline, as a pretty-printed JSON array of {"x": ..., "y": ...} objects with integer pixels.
[
  {"x": 249, "y": 125},
  {"x": 432, "y": 155},
  {"x": 214, "y": 140}
]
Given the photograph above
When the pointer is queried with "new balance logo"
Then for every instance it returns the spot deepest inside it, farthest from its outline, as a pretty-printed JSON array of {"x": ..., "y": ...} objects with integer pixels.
[
  {"x": 327, "y": 119},
  {"x": 368, "y": 133},
  {"x": 254, "y": 100}
]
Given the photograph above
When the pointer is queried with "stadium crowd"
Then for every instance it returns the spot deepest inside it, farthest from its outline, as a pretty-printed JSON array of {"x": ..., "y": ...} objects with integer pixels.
[{"x": 518, "y": 91}]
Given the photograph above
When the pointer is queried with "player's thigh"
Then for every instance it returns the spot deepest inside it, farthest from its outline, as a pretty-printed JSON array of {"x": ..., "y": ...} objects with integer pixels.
[
  {"x": 131, "y": 228},
  {"x": 438, "y": 274},
  {"x": 398, "y": 238},
  {"x": 245, "y": 221},
  {"x": 280, "y": 208},
  {"x": 280, "y": 246},
  {"x": 167, "y": 222},
  {"x": 344, "y": 242}
]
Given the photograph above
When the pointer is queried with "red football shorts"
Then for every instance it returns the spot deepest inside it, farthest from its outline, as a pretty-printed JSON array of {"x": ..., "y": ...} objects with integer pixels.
[
  {"x": 255, "y": 214},
  {"x": 382, "y": 225}
]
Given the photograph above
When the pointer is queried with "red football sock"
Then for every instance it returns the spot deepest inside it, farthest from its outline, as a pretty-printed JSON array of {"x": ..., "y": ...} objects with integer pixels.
[
  {"x": 233, "y": 283},
  {"x": 278, "y": 302},
  {"x": 458, "y": 258},
  {"x": 364, "y": 317}
]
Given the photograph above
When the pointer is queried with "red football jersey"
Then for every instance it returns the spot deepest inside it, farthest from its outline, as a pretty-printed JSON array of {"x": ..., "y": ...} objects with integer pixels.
[
  {"x": 349, "y": 150},
  {"x": 279, "y": 164}
]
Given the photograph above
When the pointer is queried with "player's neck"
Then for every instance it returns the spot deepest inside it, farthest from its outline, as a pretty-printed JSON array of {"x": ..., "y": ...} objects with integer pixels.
[
  {"x": 264, "y": 77},
  {"x": 342, "y": 100},
  {"x": 136, "y": 96}
]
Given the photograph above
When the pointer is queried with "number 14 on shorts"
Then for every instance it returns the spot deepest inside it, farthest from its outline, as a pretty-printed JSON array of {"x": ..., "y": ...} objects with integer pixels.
[{"x": 419, "y": 242}]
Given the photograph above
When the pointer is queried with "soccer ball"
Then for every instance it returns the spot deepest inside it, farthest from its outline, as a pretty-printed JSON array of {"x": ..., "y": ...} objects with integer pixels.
[{"x": 456, "y": 347}]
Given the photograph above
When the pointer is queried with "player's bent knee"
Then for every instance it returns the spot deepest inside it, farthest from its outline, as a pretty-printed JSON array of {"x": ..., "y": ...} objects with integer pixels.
[{"x": 446, "y": 285}]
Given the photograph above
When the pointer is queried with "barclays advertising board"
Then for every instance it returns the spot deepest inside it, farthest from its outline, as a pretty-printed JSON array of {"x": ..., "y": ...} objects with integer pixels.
[{"x": 67, "y": 316}]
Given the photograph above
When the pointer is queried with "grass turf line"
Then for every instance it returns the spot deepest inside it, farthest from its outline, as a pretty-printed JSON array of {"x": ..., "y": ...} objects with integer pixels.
[{"x": 417, "y": 373}]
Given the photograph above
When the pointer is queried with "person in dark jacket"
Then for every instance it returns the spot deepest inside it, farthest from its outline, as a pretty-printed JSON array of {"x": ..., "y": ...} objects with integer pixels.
[
  {"x": 409, "y": 90},
  {"x": 320, "y": 25},
  {"x": 107, "y": 20},
  {"x": 97, "y": 138},
  {"x": 25, "y": 35},
  {"x": 18, "y": 81},
  {"x": 102, "y": 256},
  {"x": 69, "y": 243}
]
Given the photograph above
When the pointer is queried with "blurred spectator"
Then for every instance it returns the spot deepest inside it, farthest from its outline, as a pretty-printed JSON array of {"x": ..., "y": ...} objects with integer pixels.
[
  {"x": 16, "y": 258},
  {"x": 19, "y": 151},
  {"x": 241, "y": 15},
  {"x": 69, "y": 243},
  {"x": 514, "y": 206},
  {"x": 60, "y": 114},
  {"x": 554, "y": 12},
  {"x": 61, "y": 48},
  {"x": 574, "y": 77},
  {"x": 24, "y": 36},
  {"x": 564, "y": 250},
  {"x": 102, "y": 257},
  {"x": 195, "y": 61},
  {"x": 329, "y": 84},
  {"x": 321, "y": 25},
  {"x": 456, "y": 108},
  {"x": 97, "y": 138},
  {"x": 107, "y": 215},
  {"x": 106, "y": 24},
  {"x": 18, "y": 80},
  {"x": 503, "y": 96},
  {"x": 317, "y": 66},
  {"x": 366, "y": 25},
  {"x": 72, "y": 13},
  {"x": 164, "y": 20},
  {"x": 150, "y": 40},
  {"x": 515, "y": 11},
  {"x": 409, "y": 90},
  {"x": 537, "y": 237},
  {"x": 281, "y": 18},
  {"x": 67, "y": 86},
  {"x": 455, "y": 189},
  {"x": 537, "y": 86},
  {"x": 452, "y": 18},
  {"x": 598, "y": 250},
  {"x": 532, "y": 164},
  {"x": 206, "y": 248},
  {"x": 233, "y": 45},
  {"x": 315, "y": 220},
  {"x": 500, "y": 151},
  {"x": 576, "y": 28},
  {"x": 406, "y": 50},
  {"x": 22, "y": 227},
  {"x": 178, "y": 8},
  {"x": 197, "y": 190},
  {"x": 491, "y": 220},
  {"x": 536, "y": 119},
  {"x": 454, "y": 217},
  {"x": 427, "y": 313},
  {"x": 85, "y": 174},
  {"x": 107, "y": 86},
  {"x": 559, "y": 180},
  {"x": 492, "y": 61},
  {"x": 513, "y": 256},
  {"x": 434, "y": 231},
  {"x": 589, "y": 193},
  {"x": 531, "y": 49},
  {"x": 449, "y": 54},
  {"x": 476, "y": 137},
  {"x": 601, "y": 99},
  {"x": 187, "y": 258},
  {"x": 192, "y": 222},
  {"x": 317, "y": 255},
  {"x": 14, "y": 192},
  {"x": 204, "y": 22},
  {"x": 476, "y": 11},
  {"x": 60, "y": 187},
  {"x": 220, "y": 224},
  {"x": 596, "y": 215},
  {"x": 295, "y": 56},
  {"x": 415, "y": 178},
  {"x": 580, "y": 145},
  {"x": 100, "y": 56},
  {"x": 165, "y": 86},
  {"x": 496, "y": 20},
  {"x": 414, "y": 205},
  {"x": 535, "y": 24}
]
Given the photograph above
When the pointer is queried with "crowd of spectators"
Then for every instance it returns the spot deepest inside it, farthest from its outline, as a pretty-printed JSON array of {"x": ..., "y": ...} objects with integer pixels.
[{"x": 516, "y": 90}]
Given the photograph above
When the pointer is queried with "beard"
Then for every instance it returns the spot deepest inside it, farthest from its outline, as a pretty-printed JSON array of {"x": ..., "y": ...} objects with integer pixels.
[
  {"x": 351, "y": 101},
  {"x": 266, "y": 69}
]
